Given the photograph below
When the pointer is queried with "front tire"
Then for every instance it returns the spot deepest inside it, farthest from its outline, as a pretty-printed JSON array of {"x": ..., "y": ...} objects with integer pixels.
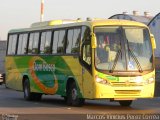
[
  {"x": 125, "y": 103},
  {"x": 72, "y": 96}
]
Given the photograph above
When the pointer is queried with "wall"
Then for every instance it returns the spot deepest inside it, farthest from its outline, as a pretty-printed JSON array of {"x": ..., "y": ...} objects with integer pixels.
[{"x": 2, "y": 55}]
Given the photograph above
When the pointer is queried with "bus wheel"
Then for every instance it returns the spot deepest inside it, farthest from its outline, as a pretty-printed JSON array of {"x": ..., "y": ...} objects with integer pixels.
[
  {"x": 125, "y": 102},
  {"x": 72, "y": 96},
  {"x": 65, "y": 98},
  {"x": 26, "y": 89},
  {"x": 28, "y": 95}
]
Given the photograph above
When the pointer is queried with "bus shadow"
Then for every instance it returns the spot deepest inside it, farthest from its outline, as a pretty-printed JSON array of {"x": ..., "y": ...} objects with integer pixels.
[
  {"x": 91, "y": 106},
  {"x": 116, "y": 108},
  {"x": 14, "y": 99}
]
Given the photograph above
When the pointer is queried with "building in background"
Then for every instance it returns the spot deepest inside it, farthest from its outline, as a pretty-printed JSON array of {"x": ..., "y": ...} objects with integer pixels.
[
  {"x": 2, "y": 55},
  {"x": 146, "y": 18},
  {"x": 154, "y": 26}
]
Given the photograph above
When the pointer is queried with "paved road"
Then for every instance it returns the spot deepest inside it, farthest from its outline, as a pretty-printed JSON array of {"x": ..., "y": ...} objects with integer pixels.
[{"x": 12, "y": 103}]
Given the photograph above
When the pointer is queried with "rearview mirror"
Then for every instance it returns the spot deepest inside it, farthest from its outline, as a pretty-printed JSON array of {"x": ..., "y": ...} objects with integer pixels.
[
  {"x": 153, "y": 41},
  {"x": 93, "y": 40}
]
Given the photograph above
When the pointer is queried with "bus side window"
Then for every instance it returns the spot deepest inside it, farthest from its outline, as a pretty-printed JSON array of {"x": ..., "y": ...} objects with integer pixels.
[
  {"x": 86, "y": 47},
  {"x": 61, "y": 42},
  {"x": 45, "y": 42},
  {"x": 87, "y": 53},
  {"x": 22, "y": 44},
  {"x": 47, "y": 46},
  {"x": 69, "y": 41},
  {"x": 12, "y": 44},
  {"x": 31, "y": 37},
  {"x": 73, "y": 40},
  {"x": 20, "y": 40},
  {"x": 76, "y": 40},
  {"x": 85, "y": 35},
  {"x": 55, "y": 41},
  {"x": 33, "y": 43}
]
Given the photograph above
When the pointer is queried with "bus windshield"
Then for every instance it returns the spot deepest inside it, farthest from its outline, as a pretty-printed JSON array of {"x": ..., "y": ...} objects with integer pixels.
[{"x": 123, "y": 49}]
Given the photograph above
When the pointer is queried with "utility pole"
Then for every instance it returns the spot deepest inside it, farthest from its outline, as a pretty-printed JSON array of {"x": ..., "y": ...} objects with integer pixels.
[{"x": 42, "y": 11}]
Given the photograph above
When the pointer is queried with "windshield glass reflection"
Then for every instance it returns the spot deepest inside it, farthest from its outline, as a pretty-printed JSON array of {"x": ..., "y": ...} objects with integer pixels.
[{"x": 123, "y": 49}]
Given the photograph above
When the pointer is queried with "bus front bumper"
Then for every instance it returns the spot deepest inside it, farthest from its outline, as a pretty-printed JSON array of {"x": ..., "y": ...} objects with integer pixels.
[{"x": 125, "y": 92}]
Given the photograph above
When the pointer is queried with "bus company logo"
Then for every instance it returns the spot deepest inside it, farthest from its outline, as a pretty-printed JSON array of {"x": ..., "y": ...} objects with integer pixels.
[
  {"x": 44, "y": 67},
  {"x": 40, "y": 65},
  {"x": 127, "y": 82}
]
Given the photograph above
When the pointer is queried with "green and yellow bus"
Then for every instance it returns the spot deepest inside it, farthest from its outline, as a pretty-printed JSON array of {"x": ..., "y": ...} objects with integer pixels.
[{"x": 78, "y": 60}]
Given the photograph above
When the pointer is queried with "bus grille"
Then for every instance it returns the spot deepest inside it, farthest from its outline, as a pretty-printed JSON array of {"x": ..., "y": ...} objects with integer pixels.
[
  {"x": 125, "y": 84},
  {"x": 135, "y": 92}
]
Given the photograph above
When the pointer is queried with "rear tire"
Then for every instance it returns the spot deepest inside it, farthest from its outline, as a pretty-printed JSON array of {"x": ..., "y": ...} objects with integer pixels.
[
  {"x": 125, "y": 103},
  {"x": 72, "y": 96},
  {"x": 28, "y": 95},
  {"x": 26, "y": 90}
]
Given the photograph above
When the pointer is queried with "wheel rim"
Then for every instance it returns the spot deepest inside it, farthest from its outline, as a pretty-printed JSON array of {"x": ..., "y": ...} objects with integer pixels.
[{"x": 74, "y": 94}]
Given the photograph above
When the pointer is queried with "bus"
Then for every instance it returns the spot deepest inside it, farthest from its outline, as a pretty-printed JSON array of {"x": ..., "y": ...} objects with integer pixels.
[{"x": 93, "y": 59}]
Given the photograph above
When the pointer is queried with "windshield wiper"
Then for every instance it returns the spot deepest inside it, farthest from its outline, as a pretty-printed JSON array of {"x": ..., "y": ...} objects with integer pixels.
[
  {"x": 115, "y": 61},
  {"x": 134, "y": 57},
  {"x": 136, "y": 60}
]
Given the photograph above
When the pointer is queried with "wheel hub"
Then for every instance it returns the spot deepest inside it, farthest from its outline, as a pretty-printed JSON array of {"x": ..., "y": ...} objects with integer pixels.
[{"x": 74, "y": 94}]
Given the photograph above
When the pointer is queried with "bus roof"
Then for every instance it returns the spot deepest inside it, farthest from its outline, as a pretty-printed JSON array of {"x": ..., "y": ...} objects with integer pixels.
[{"x": 71, "y": 23}]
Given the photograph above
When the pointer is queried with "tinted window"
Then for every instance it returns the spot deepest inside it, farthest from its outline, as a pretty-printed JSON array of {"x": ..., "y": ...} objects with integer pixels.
[
  {"x": 33, "y": 43},
  {"x": 61, "y": 42},
  {"x": 87, "y": 54},
  {"x": 12, "y": 44},
  {"x": 85, "y": 34},
  {"x": 45, "y": 42},
  {"x": 55, "y": 41},
  {"x": 69, "y": 41},
  {"x": 22, "y": 44},
  {"x": 47, "y": 47},
  {"x": 76, "y": 40},
  {"x": 20, "y": 40},
  {"x": 30, "y": 43}
]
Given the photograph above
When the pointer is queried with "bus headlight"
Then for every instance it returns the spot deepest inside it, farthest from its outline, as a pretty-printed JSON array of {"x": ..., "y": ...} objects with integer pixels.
[
  {"x": 139, "y": 79},
  {"x": 101, "y": 80},
  {"x": 150, "y": 80}
]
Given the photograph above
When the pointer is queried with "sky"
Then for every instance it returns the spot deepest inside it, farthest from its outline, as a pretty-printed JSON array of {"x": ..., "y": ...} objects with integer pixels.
[{"x": 22, "y": 13}]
